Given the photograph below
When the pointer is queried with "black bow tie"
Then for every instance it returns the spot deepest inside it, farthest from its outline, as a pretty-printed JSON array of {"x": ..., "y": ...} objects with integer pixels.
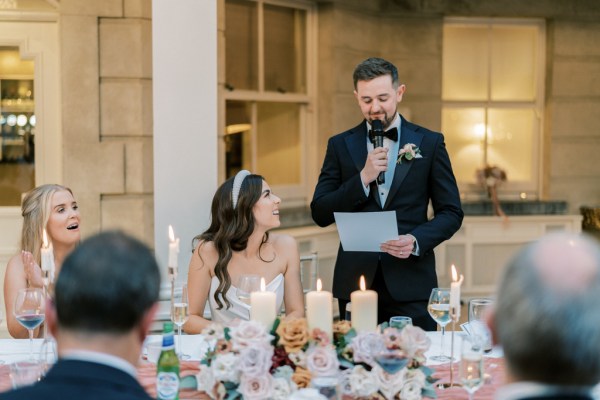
[{"x": 390, "y": 134}]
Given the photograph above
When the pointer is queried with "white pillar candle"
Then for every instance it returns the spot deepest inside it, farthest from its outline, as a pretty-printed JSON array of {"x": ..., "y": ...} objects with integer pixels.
[
  {"x": 455, "y": 294},
  {"x": 318, "y": 310},
  {"x": 47, "y": 258},
  {"x": 173, "y": 252},
  {"x": 263, "y": 306},
  {"x": 364, "y": 308}
]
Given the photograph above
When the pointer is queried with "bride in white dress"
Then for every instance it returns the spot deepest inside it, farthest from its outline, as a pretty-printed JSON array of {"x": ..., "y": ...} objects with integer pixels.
[{"x": 238, "y": 242}]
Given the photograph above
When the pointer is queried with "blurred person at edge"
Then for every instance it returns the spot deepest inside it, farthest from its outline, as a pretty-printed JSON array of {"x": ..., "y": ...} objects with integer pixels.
[{"x": 546, "y": 318}]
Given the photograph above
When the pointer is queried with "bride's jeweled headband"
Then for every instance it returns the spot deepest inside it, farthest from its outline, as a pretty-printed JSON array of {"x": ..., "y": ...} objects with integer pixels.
[{"x": 237, "y": 185}]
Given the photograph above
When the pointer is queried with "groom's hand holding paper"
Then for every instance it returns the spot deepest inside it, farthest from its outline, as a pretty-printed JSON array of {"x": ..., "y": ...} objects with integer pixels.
[{"x": 366, "y": 231}]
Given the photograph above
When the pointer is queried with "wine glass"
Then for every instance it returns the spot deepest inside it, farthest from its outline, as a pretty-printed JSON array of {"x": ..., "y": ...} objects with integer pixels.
[
  {"x": 471, "y": 365},
  {"x": 29, "y": 311},
  {"x": 439, "y": 309},
  {"x": 247, "y": 284},
  {"x": 180, "y": 315}
]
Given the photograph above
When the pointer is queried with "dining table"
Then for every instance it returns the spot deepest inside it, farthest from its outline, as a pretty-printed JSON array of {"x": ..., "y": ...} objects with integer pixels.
[{"x": 13, "y": 350}]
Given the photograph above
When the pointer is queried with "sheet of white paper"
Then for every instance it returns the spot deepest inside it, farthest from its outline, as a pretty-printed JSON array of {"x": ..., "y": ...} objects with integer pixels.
[{"x": 366, "y": 231}]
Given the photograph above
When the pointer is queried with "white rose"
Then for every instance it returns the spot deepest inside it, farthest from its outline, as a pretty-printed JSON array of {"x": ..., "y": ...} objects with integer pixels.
[
  {"x": 414, "y": 342},
  {"x": 366, "y": 345},
  {"x": 307, "y": 394},
  {"x": 206, "y": 381},
  {"x": 359, "y": 382},
  {"x": 322, "y": 361},
  {"x": 224, "y": 367},
  {"x": 256, "y": 387},
  {"x": 255, "y": 360},
  {"x": 389, "y": 384},
  {"x": 411, "y": 390},
  {"x": 249, "y": 333},
  {"x": 282, "y": 388}
]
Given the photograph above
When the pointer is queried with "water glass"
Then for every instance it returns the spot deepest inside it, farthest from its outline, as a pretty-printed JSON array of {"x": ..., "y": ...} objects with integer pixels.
[
  {"x": 48, "y": 354},
  {"x": 478, "y": 310},
  {"x": 471, "y": 365},
  {"x": 400, "y": 321},
  {"x": 24, "y": 373}
]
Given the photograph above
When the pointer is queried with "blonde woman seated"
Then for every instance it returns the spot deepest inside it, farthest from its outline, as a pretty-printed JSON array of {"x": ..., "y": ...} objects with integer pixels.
[
  {"x": 50, "y": 207},
  {"x": 238, "y": 242}
]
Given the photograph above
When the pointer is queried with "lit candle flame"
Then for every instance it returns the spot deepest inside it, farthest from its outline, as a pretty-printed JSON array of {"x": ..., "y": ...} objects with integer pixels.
[
  {"x": 45, "y": 240},
  {"x": 454, "y": 274},
  {"x": 319, "y": 285},
  {"x": 363, "y": 285},
  {"x": 263, "y": 287},
  {"x": 171, "y": 234}
]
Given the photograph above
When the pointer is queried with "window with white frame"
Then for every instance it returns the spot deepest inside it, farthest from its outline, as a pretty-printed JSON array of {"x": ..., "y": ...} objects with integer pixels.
[
  {"x": 492, "y": 93},
  {"x": 266, "y": 92}
]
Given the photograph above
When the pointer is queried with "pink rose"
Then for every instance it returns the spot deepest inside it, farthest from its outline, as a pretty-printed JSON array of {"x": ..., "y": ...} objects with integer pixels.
[
  {"x": 366, "y": 345},
  {"x": 322, "y": 361},
  {"x": 249, "y": 333},
  {"x": 256, "y": 387},
  {"x": 414, "y": 342},
  {"x": 255, "y": 360}
]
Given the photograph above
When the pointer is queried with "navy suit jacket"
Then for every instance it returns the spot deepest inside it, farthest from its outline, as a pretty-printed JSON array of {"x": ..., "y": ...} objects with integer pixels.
[
  {"x": 73, "y": 379},
  {"x": 415, "y": 182}
]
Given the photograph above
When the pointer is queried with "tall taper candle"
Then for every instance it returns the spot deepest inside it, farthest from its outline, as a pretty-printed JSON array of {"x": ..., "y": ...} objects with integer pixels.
[
  {"x": 318, "y": 310},
  {"x": 455, "y": 293},
  {"x": 263, "y": 306},
  {"x": 364, "y": 308},
  {"x": 47, "y": 258}
]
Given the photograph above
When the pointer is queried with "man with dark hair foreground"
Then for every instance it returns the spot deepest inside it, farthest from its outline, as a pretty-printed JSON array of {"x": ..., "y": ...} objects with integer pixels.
[
  {"x": 547, "y": 319},
  {"x": 106, "y": 298}
]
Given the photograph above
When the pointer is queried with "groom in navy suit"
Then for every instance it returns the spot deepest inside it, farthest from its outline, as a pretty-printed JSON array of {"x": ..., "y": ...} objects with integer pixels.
[
  {"x": 417, "y": 170},
  {"x": 106, "y": 297}
]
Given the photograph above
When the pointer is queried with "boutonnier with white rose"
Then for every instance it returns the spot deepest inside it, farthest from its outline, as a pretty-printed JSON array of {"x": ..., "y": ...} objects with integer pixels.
[
  {"x": 408, "y": 152},
  {"x": 245, "y": 361}
]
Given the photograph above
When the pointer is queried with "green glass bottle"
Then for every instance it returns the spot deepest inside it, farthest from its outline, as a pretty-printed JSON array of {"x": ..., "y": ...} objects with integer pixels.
[{"x": 167, "y": 368}]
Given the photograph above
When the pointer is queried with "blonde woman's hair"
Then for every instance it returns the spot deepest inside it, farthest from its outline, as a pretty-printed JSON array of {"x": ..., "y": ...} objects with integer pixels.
[{"x": 36, "y": 210}]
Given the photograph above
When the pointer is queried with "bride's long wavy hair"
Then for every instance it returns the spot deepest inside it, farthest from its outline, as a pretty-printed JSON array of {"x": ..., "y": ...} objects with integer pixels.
[{"x": 230, "y": 228}]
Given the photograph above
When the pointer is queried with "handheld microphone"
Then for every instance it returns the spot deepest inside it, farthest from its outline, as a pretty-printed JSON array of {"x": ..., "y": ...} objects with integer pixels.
[{"x": 377, "y": 128}]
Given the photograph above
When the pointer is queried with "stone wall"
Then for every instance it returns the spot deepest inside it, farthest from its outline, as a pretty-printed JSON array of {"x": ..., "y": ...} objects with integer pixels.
[
  {"x": 106, "y": 64},
  {"x": 409, "y": 33}
]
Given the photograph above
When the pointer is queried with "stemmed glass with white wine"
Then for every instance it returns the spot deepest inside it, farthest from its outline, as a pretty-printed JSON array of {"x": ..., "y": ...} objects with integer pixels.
[
  {"x": 180, "y": 315},
  {"x": 439, "y": 309},
  {"x": 471, "y": 365},
  {"x": 30, "y": 311}
]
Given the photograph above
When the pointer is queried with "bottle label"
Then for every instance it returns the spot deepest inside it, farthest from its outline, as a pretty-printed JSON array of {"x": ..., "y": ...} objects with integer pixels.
[{"x": 167, "y": 385}]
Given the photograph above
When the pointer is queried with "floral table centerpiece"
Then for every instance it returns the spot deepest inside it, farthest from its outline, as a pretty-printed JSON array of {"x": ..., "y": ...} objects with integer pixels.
[{"x": 246, "y": 361}]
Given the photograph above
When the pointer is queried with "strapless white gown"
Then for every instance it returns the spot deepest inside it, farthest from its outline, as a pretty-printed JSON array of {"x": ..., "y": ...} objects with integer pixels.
[{"x": 238, "y": 308}]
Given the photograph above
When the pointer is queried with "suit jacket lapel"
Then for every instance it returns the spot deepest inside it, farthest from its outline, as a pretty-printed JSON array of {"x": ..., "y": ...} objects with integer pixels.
[
  {"x": 406, "y": 136},
  {"x": 357, "y": 147}
]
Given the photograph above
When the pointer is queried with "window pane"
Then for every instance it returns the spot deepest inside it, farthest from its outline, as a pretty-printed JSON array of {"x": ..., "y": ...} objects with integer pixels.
[
  {"x": 17, "y": 127},
  {"x": 279, "y": 147},
  {"x": 238, "y": 147},
  {"x": 285, "y": 49},
  {"x": 514, "y": 54},
  {"x": 511, "y": 142},
  {"x": 465, "y": 63},
  {"x": 241, "y": 45},
  {"x": 464, "y": 132}
]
